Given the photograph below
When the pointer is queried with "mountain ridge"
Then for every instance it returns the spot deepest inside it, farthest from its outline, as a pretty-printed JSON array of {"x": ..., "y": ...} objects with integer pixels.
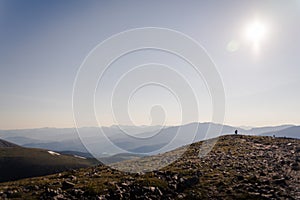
[{"x": 238, "y": 167}]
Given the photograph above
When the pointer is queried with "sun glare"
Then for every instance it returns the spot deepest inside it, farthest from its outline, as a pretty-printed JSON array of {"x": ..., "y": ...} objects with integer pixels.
[{"x": 255, "y": 32}]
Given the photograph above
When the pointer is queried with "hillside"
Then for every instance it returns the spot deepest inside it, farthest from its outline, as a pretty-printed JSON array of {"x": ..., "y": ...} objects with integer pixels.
[
  {"x": 238, "y": 167},
  {"x": 18, "y": 162},
  {"x": 119, "y": 157},
  {"x": 5, "y": 144}
]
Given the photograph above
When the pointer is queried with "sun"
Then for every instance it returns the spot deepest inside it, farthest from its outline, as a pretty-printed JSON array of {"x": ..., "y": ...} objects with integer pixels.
[{"x": 255, "y": 32}]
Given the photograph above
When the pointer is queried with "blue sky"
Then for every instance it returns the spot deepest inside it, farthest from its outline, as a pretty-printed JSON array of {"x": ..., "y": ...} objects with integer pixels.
[{"x": 43, "y": 43}]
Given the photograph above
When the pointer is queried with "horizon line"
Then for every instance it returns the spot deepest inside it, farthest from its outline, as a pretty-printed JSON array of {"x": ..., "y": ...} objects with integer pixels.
[{"x": 174, "y": 125}]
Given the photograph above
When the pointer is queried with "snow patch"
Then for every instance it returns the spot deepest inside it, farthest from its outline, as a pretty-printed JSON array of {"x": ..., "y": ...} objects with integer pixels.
[
  {"x": 79, "y": 157},
  {"x": 54, "y": 153}
]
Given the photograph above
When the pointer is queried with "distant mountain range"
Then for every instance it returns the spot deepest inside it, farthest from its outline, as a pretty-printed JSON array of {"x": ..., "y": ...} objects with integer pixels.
[
  {"x": 68, "y": 140},
  {"x": 291, "y": 132}
]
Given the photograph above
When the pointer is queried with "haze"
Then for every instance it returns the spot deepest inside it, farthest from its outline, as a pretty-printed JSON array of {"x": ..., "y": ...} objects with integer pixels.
[{"x": 43, "y": 43}]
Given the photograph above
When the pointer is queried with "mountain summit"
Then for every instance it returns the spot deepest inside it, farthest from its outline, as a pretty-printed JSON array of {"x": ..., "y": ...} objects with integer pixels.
[{"x": 238, "y": 167}]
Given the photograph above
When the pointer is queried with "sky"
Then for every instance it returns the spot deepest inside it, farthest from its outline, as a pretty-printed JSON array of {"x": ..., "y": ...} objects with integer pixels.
[{"x": 44, "y": 43}]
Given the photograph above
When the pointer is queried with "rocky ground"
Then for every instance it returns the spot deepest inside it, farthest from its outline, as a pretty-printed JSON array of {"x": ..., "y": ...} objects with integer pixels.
[{"x": 238, "y": 167}]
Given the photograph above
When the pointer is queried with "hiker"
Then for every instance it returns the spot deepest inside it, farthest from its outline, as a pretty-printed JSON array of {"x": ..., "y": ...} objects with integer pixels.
[{"x": 236, "y": 132}]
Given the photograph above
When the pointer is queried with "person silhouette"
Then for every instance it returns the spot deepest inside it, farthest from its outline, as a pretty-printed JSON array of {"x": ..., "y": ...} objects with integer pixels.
[{"x": 236, "y": 132}]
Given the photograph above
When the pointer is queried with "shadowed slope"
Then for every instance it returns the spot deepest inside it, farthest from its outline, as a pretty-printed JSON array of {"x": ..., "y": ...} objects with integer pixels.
[{"x": 18, "y": 162}]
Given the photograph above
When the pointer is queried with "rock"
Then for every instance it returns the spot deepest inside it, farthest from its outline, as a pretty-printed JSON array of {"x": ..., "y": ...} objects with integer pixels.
[
  {"x": 181, "y": 196},
  {"x": 124, "y": 184},
  {"x": 67, "y": 185},
  {"x": 295, "y": 166},
  {"x": 181, "y": 180},
  {"x": 159, "y": 192},
  {"x": 152, "y": 189},
  {"x": 280, "y": 182},
  {"x": 267, "y": 195},
  {"x": 262, "y": 174},
  {"x": 13, "y": 194},
  {"x": 73, "y": 178},
  {"x": 189, "y": 182},
  {"x": 101, "y": 197},
  {"x": 173, "y": 186},
  {"x": 192, "y": 181},
  {"x": 292, "y": 151},
  {"x": 77, "y": 192},
  {"x": 59, "y": 197},
  {"x": 175, "y": 177},
  {"x": 240, "y": 177}
]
